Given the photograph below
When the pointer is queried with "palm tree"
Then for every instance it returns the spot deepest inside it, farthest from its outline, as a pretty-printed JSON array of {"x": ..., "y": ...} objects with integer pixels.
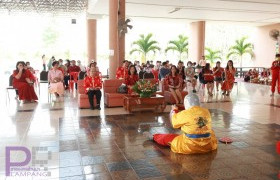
[
  {"x": 145, "y": 45},
  {"x": 240, "y": 48},
  {"x": 212, "y": 55},
  {"x": 180, "y": 45}
]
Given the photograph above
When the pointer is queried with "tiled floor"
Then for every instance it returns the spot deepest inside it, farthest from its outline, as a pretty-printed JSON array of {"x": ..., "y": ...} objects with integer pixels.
[{"x": 108, "y": 144}]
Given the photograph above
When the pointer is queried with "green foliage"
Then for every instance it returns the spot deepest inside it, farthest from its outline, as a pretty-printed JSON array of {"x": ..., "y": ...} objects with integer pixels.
[
  {"x": 240, "y": 48},
  {"x": 180, "y": 45},
  {"x": 144, "y": 45},
  {"x": 212, "y": 55},
  {"x": 50, "y": 36}
]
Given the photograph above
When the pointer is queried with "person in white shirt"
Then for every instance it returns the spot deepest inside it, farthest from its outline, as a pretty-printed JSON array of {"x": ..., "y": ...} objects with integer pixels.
[
  {"x": 82, "y": 67},
  {"x": 202, "y": 62}
]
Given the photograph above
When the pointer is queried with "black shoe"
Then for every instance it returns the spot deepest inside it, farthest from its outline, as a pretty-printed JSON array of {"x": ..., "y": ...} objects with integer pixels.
[
  {"x": 98, "y": 107},
  {"x": 92, "y": 108}
]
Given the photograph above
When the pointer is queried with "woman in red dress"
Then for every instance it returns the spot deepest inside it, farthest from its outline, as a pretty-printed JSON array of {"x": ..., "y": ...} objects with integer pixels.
[
  {"x": 23, "y": 83},
  {"x": 131, "y": 79},
  {"x": 175, "y": 82},
  {"x": 229, "y": 78},
  {"x": 92, "y": 85}
]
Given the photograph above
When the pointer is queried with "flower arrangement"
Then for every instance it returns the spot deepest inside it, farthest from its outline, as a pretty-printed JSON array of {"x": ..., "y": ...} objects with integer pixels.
[{"x": 144, "y": 88}]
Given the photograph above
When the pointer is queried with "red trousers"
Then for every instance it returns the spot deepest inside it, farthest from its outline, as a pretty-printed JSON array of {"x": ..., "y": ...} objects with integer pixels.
[
  {"x": 275, "y": 79},
  {"x": 164, "y": 139}
]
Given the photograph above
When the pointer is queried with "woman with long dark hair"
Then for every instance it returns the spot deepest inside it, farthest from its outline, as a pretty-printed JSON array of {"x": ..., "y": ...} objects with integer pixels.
[
  {"x": 218, "y": 74},
  {"x": 175, "y": 82},
  {"x": 229, "y": 78},
  {"x": 23, "y": 83},
  {"x": 131, "y": 78},
  {"x": 208, "y": 78}
]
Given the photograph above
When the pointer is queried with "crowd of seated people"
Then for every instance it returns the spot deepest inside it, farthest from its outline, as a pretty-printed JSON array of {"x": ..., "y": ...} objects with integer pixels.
[
  {"x": 254, "y": 76},
  {"x": 59, "y": 75}
]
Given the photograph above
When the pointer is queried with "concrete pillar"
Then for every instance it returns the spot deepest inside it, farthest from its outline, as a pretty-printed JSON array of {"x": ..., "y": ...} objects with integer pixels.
[
  {"x": 91, "y": 39},
  {"x": 113, "y": 38},
  {"x": 197, "y": 41},
  {"x": 121, "y": 37}
]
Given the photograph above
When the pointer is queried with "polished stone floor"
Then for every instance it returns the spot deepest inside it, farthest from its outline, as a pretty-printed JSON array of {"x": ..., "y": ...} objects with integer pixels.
[{"x": 108, "y": 144}]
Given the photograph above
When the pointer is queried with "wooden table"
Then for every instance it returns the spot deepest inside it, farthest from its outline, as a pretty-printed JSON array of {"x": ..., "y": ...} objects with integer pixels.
[{"x": 135, "y": 102}]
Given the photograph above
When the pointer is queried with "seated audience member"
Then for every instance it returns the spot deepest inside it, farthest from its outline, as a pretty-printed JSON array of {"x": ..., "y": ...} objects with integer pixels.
[
  {"x": 148, "y": 68},
  {"x": 175, "y": 81},
  {"x": 181, "y": 69},
  {"x": 218, "y": 74},
  {"x": 190, "y": 76},
  {"x": 142, "y": 71},
  {"x": 137, "y": 66},
  {"x": 248, "y": 76},
  {"x": 93, "y": 86},
  {"x": 82, "y": 67},
  {"x": 29, "y": 67},
  {"x": 62, "y": 67},
  {"x": 131, "y": 79},
  {"x": 181, "y": 72},
  {"x": 265, "y": 73},
  {"x": 208, "y": 78},
  {"x": 164, "y": 71},
  {"x": 255, "y": 76},
  {"x": 67, "y": 64},
  {"x": 55, "y": 77},
  {"x": 50, "y": 62},
  {"x": 195, "y": 123},
  {"x": 155, "y": 71},
  {"x": 22, "y": 81},
  {"x": 72, "y": 68},
  {"x": 123, "y": 70}
]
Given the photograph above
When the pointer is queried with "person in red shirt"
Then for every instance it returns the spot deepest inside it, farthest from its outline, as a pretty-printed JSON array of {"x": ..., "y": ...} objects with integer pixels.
[
  {"x": 275, "y": 70},
  {"x": 229, "y": 78},
  {"x": 93, "y": 86},
  {"x": 264, "y": 73},
  {"x": 72, "y": 68},
  {"x": 248, "y": 75},
  {"x": 218, "y": 74},
  {"x": 122, "y": 72},
  {"x": 131, "y": 79},
  {"x": 23, "y": 83},
  {"x": 208, "y": 78},
  {"x": 175, "y": 83}
]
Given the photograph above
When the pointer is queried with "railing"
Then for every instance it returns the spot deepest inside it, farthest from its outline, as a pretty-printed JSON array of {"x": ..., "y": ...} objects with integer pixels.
[{"x": 241, "y": 71}]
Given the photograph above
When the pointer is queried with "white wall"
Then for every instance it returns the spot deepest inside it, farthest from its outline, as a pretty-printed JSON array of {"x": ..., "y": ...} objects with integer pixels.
[{"x": 264, "y": 46}]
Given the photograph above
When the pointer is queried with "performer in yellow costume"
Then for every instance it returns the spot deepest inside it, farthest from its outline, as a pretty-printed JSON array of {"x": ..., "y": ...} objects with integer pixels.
[{"x": 195, "y": 123}]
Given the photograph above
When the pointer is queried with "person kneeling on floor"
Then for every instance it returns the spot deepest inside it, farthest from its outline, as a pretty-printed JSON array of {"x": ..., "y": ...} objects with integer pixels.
[
  {"x": 195, "y": 123},
  {"x": 93, "y": 85}
]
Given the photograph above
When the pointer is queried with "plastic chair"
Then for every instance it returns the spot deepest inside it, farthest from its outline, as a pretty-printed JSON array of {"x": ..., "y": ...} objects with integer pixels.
[
  {"x": 10, "y": 87},
  {"x": 73, "y": 79},
  {"x": 43, "y": 79}
]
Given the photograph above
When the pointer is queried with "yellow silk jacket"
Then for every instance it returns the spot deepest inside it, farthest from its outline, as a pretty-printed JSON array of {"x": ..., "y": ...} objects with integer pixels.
[{"x": 198, "y": 136}]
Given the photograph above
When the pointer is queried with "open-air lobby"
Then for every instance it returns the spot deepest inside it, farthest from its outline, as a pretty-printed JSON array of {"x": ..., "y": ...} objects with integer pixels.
[{"x": 130, "y": 89}]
